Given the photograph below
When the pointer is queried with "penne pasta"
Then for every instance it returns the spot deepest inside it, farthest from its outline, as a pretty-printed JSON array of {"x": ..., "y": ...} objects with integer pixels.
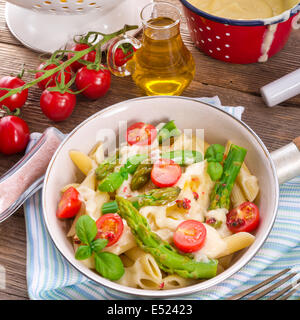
[
  {"x": 175, "y": 282},
  {"x": 237, "y": 196},
  {"x": 66, "y": 187},
  {"x": 83, "y": 162},
  {"x": 236, "y": 242}
]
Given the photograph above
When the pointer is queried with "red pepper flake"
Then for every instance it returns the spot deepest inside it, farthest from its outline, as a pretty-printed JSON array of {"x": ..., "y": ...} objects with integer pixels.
[
  {"x": 203, "y": 193},
  {"x": 124, "y": 189},
  {"x": 185, "y": 204},
  {"x": 211, "y": 221},
  {"x": 77, "y": 241},
  {"x": 224, "y": 185},
  {"x": 161, "y": 286},
  {"x": 196, "y": 195}
]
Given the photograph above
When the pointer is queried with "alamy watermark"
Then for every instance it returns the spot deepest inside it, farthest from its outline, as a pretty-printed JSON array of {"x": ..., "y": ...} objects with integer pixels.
[{"x": 147, "y": 141}]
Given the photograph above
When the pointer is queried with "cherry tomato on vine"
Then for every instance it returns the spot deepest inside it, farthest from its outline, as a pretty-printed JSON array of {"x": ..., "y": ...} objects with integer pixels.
[
  {"x": 165, "y": 173},
  {"x": 17, "y": 100},
  {"x": 14, "y": 135},
  {"x": 110, "y": 226},
  {"x": 190, "y": 236},
  {"x": 94, "y": 83},
  {"x": 69, "y": 204},
  {"x": 57, "y": 106},
  {"x": 76, "y": 65},
  {"x": 123, "y": 54},
  {"x": 50, "y": 81},
  {"x": 141, "y": 133},
  {"x": 244, "y": 218}
]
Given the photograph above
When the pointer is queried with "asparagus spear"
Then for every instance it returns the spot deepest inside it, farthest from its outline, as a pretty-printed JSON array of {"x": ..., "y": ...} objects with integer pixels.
[
  {"x": 141, "y": 176},
  {"x": 107, "y": 167},
  {"x": 168, "y": 259},
  {"x": 168, "y": 131},
  {"x": 183, "y": 157},
  {"x": 114, "y": 180},
  {"x": 155, "y": 197},
  {"x": 220, "y": 197}
]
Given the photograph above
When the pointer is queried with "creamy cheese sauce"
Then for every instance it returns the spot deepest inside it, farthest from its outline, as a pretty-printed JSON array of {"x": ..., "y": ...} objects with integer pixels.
[{"x": 244, "y": 9}]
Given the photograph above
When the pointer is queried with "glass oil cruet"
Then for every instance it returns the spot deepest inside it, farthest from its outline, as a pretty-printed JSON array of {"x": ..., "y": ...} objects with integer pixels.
[{"x": 161, "y": 65}]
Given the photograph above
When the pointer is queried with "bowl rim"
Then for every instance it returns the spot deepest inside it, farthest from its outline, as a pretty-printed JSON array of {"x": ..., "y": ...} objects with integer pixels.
[
  {"x": 173, "y": 292},
  {"x": 284, "y": 16}
]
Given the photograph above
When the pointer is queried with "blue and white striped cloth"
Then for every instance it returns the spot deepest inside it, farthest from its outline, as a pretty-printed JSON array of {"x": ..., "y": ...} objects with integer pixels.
[{"x": 51, "y": 277}]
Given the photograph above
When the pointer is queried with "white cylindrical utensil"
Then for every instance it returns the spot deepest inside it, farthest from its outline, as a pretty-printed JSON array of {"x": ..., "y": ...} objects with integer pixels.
[{"x": 282, "y": 89}]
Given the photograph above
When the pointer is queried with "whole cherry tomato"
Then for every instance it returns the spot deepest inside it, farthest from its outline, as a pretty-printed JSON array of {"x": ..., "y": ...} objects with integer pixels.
[
  {"x": 123, "y": 54},
  {"x": 57, "y": 106},
  {"x": 50, "y": 81},
  {"x": 94, "y": 83},
  {"x": 69, "y": 204},
  {"x": 14, "y": 135},
  {"x": 76, "y": 65},
  {"x": 244, "y": 218},
  {"x": 17, "y": 100},
  {"x": 190, "y": 236},
  {"x": 110, "y": 226}
]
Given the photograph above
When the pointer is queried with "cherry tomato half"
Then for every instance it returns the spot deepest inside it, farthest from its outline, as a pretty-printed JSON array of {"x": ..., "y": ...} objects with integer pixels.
[
  {"x": 76, "y": 65},
  {"x": 141, "y": 133},
  {"x": 69, "y": 204},
  {"x": 165, "y": 173},
  {"x": 14, "y": 135},
  {"x": 190, "y": 236},
  {"x": 94, "y": 83},
  {"x": 50, "y": 81},
  {"x": 17, "y": 100},
  {"x": 244, "y": 218},
  {"x": 57, "y": 106},
  {"x": 110, "y": 226}
]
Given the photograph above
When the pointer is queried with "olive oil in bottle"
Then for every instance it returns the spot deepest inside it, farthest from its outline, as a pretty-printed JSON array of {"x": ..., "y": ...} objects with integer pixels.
[{"x": 163, "y": 65}]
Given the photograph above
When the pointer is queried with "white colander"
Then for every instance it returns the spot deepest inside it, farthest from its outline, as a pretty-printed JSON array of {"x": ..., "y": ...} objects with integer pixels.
[{"x": 48, "y": 25}]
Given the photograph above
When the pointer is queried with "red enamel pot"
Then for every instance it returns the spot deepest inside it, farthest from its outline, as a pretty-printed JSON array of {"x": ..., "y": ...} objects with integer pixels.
[{"x": 240, "y": 41}]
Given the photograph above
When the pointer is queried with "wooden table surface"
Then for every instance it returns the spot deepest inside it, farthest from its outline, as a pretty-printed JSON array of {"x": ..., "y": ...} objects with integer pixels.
[{"x": 234, "y": 84}]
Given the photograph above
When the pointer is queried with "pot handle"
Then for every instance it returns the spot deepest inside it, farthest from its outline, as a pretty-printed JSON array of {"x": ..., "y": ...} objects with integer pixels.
[
  {"x": 287, "y": 161},
  {"x": 27, "y": 175}
]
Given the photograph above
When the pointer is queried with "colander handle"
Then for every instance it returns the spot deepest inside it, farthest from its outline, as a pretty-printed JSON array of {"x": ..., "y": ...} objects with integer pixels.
[
  {"x": 26, "y": 177},
  {"x": 127, "y": 68}
]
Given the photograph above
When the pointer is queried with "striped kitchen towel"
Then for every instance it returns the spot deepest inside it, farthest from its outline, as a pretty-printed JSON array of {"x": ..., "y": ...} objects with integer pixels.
[{"x": 51, "y": 277}]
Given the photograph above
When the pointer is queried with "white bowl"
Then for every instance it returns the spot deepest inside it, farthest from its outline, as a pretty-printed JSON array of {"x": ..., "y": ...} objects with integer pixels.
[{"x": 219, "y": 126}]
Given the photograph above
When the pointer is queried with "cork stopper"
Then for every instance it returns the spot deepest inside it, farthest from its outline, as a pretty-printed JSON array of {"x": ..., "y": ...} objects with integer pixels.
[{"x": 297, "y": 142}]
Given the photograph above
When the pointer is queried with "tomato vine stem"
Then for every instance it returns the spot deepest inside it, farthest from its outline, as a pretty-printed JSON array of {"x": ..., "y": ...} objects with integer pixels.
[{"x": 65, "y": 64}]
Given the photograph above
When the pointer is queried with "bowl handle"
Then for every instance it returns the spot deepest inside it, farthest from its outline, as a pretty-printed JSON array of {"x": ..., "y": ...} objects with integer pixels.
[
  {"x": 287, "y": 161},
  {"x": 26, "y": 176}
]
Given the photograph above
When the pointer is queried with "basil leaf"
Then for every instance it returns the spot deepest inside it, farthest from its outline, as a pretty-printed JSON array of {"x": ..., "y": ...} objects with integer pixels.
[
  {"x": 112, "y": 182},
  {"x": 215, "y": 170},
  {"x": 99, "y": 244},
  {"x": 109, "y": 265},
  {"x": 214, "y": 153},
  {"x": 83, "y": 252},
  {"x": 86, "y": 229}
]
